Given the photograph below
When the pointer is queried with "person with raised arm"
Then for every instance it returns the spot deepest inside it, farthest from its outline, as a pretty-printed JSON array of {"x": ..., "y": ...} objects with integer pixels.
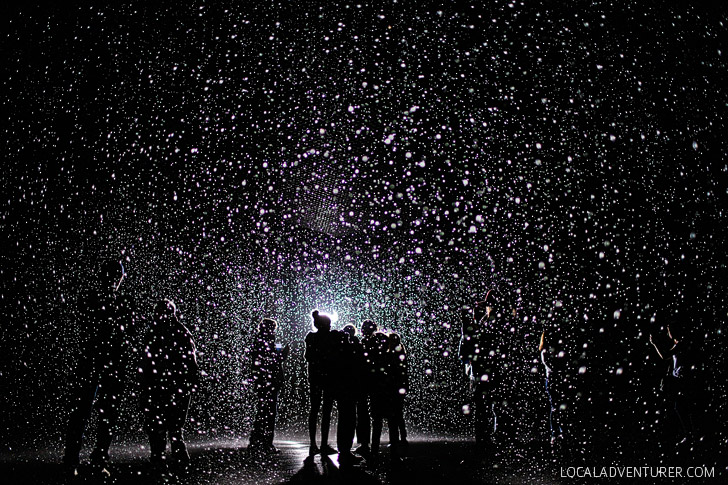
[{"x": 99, "y": 374}]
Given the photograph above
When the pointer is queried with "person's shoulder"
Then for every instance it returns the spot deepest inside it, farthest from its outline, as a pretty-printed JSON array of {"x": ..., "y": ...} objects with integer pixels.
[
  {"x": 185, "y": 332},
  {"x": 311, "y": 336}
]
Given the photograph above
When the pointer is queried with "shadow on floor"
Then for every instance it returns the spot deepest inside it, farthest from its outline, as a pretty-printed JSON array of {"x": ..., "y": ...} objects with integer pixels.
[{"x": 420, "y": 463}]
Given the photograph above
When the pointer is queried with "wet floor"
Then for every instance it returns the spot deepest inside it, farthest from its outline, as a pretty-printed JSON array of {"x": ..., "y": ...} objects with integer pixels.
[
  {"x": 228, "y": 462},
  {"x": 425, "y": 460}
]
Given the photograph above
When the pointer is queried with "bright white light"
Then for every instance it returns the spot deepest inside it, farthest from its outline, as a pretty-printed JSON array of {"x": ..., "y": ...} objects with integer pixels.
[{"x": 334, "y": 315}]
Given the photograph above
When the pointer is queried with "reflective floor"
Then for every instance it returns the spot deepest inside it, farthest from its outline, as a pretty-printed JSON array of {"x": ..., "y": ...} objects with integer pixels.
[{"x": 425, "y": 460}]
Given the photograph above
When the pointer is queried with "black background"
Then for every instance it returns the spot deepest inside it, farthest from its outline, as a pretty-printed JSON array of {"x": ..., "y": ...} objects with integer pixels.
[{"x": 238, "y": 158}]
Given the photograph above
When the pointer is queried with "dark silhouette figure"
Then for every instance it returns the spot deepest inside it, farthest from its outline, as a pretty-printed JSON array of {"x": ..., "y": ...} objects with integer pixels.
[
  {"x": 484, "y": 351},
  {"x": 399, "y": 382},
  {"x": 268, "y": 373},
  {"x": 319, "y": 356},
  {"x": 169, "y": 376},
  {"x": 680, "y": 384},
  {"x": 381, "y": 391},
  {"x": 99, "y": 373},
  {"x": 345, "y": 389},
  {"x": 552, "y": 359},
  {"x": 359, "y": 393},
  {"x": 367, "y": 375}
]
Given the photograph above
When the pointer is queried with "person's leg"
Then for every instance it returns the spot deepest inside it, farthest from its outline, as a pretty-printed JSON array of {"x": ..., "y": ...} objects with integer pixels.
[
  {"x": 377, "y": 421},
  {"x": 316, "y": 397},
  {"x": 683, "y": 416},
  {"x": 363, "y": 420},
  {"x": 398, "y": 418},
  {"x": 157, "y": 445},
  {"x": 346, "y": 429},
  {"x": 401, "y": 424},
  {"x": 154, "y": 425},
  {"x": 270, "y": 423},
  {"x": 108, "y": 397},
  {"x": 697, "y": 417},
  {"x": 493, "y": 415},
  {"x": 82, "y": 400},
  {"x": 377, "y": 425},
  {"x": 328, "y": 404},
  {"x": 179, "y": 447},
  {"x": 257, "y": 435},
  {"x": 176, "y": 430},
  {"x": 558, "y": 413},
  {"x": 347, "y": 424},
  {"x": 387, "y": 413},
  {"x": 482, "y": 416},
  {"x": 393, "y": 434},
  {"x": 506, "y": 409}
]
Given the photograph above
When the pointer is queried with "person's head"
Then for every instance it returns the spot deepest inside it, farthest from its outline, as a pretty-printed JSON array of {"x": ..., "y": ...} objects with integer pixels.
[
  {"x": 368, "y": 328},
  {"x": 381, "y": 342},
  {"x": 395, "y": 343},
  {"x": 479, "y": 312},
  {"x": 491, "y": 303},
  {"x": 267, "y": 326},
  {"x": 321, "y": 321},
  {"x": 112, "y": 273},
  {"x": 471, "y": 318},
  {"x": 495, "y": 304},
  {"x": 350, "y": 330},
  {"x": 165, "y": 310}
]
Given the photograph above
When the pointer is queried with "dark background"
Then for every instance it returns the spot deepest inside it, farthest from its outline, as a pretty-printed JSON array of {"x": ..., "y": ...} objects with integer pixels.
[{"x": 382, "y": 160}]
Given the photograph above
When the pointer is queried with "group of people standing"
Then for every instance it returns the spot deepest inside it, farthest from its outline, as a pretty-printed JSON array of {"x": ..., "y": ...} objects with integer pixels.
[
  {"x": 500, "y": 364},
  {"x": 365, "y": 374},
  {"x": 367, "y": 379},
  {"x": 168, "y": 368}
]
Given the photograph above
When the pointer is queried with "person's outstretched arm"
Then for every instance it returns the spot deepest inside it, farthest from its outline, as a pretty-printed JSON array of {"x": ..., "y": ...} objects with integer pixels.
[{"x": 656, "y": 348}]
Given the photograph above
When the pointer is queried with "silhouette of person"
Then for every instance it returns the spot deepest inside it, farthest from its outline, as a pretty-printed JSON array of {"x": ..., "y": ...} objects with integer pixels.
[
  {"x": 358, "y": 370},
  {"x": 399, "y": 381},
  {"x": 679, "y": 384},
  {"x": 318, "y": 354},
  {"x": 381, "y": 397},
  {"x": 555, "y": 385},
  {"x": 268, "y": 373},
  {"x": 366, "y": 373},
  {"x": 346, "y": 382},
  {"x": 169, "y": 375},
  {"x": 99, "y": 372},
  {"x": 483, "y": 350}
]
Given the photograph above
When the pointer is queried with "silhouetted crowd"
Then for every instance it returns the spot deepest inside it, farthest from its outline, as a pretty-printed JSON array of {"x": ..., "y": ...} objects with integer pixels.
[
  {"x": 364, "y": 374},
  {"x": 499, "y": 363},
  {"x": 500, "y": 366},
  {"x": 367, "y": 379},
  {"x": 169, "y": 375}
]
